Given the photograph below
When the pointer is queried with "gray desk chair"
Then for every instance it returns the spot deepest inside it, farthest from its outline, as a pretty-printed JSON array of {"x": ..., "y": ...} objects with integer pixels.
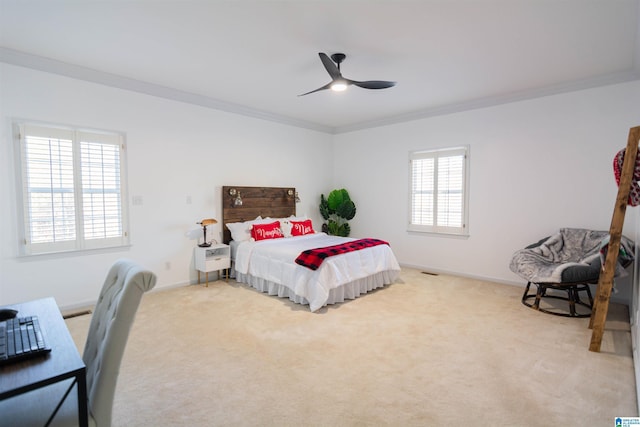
[{"x": 111, "y": 322}]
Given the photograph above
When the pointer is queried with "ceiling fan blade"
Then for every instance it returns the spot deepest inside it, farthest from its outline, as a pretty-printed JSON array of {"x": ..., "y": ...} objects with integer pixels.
[
  {"x": 327, "y": 86},
  {"x": 330, "y": 66},
  {"x": 373, "y": 84}
]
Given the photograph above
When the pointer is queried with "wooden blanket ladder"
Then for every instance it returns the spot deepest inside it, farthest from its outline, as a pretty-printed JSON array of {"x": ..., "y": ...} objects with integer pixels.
[{"x": 605, "y": 281}]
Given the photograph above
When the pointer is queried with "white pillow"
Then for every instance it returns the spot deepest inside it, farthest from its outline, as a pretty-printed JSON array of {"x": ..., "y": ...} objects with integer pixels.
[
  {"x": 285, "y": 224},
  {"x": 241, "y": 231}
]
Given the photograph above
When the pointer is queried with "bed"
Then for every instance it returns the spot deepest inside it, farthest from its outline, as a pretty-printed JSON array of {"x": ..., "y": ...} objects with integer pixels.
[{"x": 267, "y": 261}]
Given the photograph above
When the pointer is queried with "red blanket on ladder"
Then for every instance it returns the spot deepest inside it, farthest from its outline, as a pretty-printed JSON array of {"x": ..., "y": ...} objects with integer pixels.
[{"x": 312, "y": 258}]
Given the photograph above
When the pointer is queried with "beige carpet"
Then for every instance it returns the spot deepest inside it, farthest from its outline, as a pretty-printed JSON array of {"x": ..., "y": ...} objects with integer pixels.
[{"x": 433, "y": 350}]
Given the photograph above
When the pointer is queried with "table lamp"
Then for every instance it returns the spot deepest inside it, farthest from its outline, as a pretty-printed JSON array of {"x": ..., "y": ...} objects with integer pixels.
[{"x": 204, "y": 223}]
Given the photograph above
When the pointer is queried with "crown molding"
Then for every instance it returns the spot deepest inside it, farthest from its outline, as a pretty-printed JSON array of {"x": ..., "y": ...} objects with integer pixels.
[
  {"x": 605, "y": 80},
  {"x": 48, "y": 65},
  {"x": 35, "y": 62}
]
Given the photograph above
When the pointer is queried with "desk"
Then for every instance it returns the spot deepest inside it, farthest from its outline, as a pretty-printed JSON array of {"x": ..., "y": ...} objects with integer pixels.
[{"x": 62, "y": 363}]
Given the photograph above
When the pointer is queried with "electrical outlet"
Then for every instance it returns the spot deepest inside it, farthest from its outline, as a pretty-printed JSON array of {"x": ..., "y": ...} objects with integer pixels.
[
  {"x": 167, "y": 265},
  {"x": 188, "y": 200},
  {"x": 136, "y": 200}
]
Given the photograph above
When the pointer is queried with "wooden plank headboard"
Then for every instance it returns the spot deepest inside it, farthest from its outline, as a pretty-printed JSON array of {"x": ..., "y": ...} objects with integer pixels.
[{"x": 274, "y": 202}]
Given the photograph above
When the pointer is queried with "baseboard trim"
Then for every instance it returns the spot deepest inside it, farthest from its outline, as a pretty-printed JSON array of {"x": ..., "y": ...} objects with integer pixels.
[{"x": 460, "y": 274}]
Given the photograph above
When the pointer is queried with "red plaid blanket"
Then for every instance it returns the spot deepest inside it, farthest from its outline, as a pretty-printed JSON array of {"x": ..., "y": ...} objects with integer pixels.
[{"x": 312, "y": 258}]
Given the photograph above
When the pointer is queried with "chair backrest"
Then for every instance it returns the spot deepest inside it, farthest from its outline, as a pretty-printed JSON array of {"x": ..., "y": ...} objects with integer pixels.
[{"x": 115, "y": 310}]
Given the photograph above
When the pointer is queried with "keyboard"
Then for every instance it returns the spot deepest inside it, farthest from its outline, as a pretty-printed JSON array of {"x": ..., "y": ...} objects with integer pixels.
[{"x": 21, "y": 338}]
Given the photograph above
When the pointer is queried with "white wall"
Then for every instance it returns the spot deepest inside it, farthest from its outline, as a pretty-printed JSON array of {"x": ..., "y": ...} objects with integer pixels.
[
  {"x": 536, "y": 166},
  {"x": 174, "y": 150}
]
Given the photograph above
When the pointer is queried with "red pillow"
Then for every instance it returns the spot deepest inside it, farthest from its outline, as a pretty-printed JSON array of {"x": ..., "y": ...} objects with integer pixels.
[
  {"x": 266, "y": 231},
  {"x": 300, "y": 228}
]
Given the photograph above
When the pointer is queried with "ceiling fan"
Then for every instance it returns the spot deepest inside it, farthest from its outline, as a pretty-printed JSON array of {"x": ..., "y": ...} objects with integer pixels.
[{"x": 339, "y": 83}]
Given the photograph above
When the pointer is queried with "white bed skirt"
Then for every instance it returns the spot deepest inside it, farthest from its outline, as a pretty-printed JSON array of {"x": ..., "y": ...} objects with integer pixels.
[{"x": 350, "y": 290}]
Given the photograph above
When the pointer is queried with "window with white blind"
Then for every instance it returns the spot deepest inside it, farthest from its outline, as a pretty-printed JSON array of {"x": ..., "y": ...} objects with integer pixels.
[
  {"x": 438, "y": 191},
  {"x": 72, "y": 189}
]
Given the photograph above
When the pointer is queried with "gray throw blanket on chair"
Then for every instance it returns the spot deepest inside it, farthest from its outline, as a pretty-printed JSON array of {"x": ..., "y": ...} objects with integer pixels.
[{"x": 571, "y": 246}]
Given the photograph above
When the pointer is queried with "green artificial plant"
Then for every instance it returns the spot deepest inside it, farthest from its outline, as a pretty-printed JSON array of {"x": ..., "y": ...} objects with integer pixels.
[{"x": 337, "y": 209}]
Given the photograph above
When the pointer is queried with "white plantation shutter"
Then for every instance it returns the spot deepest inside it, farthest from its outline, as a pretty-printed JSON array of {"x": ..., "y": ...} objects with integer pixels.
[
  {"x": 438, "y": 191},
  {"x": 72, "y": 189},
  {"x": 423, "y": 185},
  {"x": 450, "y": 190},
  {"x": 49, "y": 186},
  {"x": 101, "y": 196}
]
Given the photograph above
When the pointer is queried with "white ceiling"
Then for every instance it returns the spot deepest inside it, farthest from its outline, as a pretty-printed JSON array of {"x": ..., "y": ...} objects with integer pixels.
[{"x": 255, "y": 56}]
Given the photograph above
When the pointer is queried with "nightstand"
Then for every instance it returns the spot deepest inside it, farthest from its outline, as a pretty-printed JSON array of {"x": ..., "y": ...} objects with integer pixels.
[{"x": 214, "y": 258}]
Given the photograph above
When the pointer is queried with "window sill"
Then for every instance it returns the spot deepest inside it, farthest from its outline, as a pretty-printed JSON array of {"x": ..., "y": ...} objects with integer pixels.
[
  {"x": 72, "y": 253},
  {"x": 438, "y": 234}
]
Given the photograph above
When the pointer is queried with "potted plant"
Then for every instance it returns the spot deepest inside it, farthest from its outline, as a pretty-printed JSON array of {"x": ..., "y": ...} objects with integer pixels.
[{"x": 337, "y": 209}]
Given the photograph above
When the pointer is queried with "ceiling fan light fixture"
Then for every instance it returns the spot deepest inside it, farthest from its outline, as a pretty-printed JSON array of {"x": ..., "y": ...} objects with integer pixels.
[{"x": 339, "y": 85}]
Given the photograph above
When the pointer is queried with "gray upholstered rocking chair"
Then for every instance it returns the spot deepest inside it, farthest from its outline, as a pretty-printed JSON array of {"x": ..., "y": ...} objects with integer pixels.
[{"x": 563, "y": 266}]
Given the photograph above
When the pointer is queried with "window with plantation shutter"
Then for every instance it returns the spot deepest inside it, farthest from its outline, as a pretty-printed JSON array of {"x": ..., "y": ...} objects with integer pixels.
[
  {"x": 438, "y": 191},
  {"x": 72, "y": 189}
]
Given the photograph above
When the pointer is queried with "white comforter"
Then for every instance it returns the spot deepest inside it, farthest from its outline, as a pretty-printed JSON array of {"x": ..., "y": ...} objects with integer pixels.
[{"x": 274, "y": 260}]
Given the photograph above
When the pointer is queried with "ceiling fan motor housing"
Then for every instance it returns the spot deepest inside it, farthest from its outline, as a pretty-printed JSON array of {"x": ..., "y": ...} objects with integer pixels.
[{"x": 338, "y": 57}]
